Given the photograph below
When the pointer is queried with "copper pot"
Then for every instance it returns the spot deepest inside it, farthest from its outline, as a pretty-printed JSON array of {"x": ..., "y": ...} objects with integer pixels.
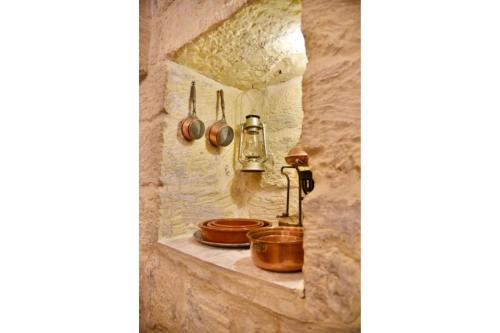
[
  {"x": 192, "y": 128},
  {"x": 229, "y": 235},
  {"x": 277, "y": 249},
  {"x": 220, "y": 134}
]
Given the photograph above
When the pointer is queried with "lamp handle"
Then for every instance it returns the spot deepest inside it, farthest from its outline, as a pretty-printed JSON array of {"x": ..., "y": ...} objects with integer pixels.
[
  {"x": 241, "y": 144},
  {"x": 265, "y": 142}
]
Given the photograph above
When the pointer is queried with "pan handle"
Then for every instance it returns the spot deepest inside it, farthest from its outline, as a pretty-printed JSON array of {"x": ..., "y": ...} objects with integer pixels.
[
  {"x": 222, "y": 104},
  {"x": 217, "y": 107},
  {"x": 192, "y": 99}
]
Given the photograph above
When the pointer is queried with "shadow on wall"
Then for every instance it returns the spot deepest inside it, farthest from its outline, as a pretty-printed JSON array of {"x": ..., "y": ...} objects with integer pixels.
[{"x": 244, "y": 186}]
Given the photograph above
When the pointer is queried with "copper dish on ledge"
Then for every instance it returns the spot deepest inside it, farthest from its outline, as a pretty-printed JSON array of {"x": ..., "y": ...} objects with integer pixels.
[
  {"x": 277, "y": 249},
  {"x": 230, "y": 230},
  {"x": 235, "y": 223},
  {"x": 197, "y": 236}
]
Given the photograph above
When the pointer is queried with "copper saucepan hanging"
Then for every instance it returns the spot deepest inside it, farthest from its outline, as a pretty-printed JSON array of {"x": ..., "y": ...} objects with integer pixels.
[
  {"x": 220, "y": 134},
  {"x": 192, "y": 128}
]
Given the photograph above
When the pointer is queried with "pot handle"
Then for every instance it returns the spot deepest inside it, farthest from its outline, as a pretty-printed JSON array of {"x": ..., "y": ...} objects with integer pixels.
[
  {"x": 218, "y": 105},
  {"x": 221, "y": 92},
  {"x": 192, "y": 99}
]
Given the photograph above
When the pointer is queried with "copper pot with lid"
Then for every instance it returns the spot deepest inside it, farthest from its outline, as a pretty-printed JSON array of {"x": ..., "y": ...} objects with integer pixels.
[
  {"x": 220, "y": 134},
  {"x": 192, "y": 128}
]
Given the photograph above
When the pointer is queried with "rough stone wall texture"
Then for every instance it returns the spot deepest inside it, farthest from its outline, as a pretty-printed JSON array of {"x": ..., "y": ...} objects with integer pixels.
[
  {"x": 204, "y": 182},
  {"x": 260, "y": 45},
  {"x": 196, "y": 297},
  {"x": 177, "y": 295},
  {"x": 167, "y": 25},
  {"x": 331, "y": 135},
  {"x": 282, "y": 113},
  {"x": 197, "y": 175},
  {"x": 144, "y": 34}
]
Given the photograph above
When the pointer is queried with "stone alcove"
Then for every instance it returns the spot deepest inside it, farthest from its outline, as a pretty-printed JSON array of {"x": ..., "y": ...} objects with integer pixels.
[
  {"x": 181, "y": 294},
  {"x": 258, "y": 58}
]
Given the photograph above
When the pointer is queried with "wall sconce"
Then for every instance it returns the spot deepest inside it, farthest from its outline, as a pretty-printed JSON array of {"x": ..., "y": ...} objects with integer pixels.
[{"x": 253, "y": 145}]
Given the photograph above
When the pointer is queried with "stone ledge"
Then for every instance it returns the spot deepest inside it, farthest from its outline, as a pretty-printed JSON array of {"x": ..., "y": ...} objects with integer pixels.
[{"x": 234, "y": 260}]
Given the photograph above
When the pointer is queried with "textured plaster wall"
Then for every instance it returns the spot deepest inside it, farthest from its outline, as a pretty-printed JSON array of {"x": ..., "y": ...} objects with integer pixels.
[
  {"x": 259, "y": 46},
  {"x": 197, "y": 175},
  {"x": 282, "y": 114},
  {"x": 204, "y": 182},
  {"x": 180, "y": 295}
]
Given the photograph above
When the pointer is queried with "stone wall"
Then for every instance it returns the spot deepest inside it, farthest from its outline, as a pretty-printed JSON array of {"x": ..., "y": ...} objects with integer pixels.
[
  {"x": 260, "y": 45},
  {"x": 331, "y": 135},
  {"x": 282, "y": 114},
  {"x": 165, "y": 25},
  {"x": 177, "y": 295},
  {"x": 197, "y": 175}
]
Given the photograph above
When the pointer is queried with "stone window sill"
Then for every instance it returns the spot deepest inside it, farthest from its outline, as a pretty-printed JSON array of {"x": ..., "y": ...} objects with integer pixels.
[{"x": 235, "y": 260}]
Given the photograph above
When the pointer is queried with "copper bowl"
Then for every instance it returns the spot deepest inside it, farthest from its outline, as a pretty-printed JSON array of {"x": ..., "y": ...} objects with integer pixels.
[
  {"x": 235, "y": 223},
  {"x": 230, "y": 235},
  {"x": 277, "y": 249},
  {"x": 297, "y": 156},
  {"x": 297, "y": 160}
]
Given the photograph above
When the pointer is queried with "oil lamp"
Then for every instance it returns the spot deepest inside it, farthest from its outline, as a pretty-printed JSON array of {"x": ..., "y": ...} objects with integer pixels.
[{"x": 253, "y": 145}]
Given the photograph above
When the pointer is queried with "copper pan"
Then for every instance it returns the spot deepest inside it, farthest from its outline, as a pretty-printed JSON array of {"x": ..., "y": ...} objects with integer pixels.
[
  {"x": 192, "y": 128},
  {"x": 229, "y": 235},
  {"x": 277, "y": 249},
  {"x": 220, "y": 134}
]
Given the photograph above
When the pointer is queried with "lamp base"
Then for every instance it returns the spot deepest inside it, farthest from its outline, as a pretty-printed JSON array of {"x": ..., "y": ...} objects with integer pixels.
[{"x": 253, "y": 166}]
